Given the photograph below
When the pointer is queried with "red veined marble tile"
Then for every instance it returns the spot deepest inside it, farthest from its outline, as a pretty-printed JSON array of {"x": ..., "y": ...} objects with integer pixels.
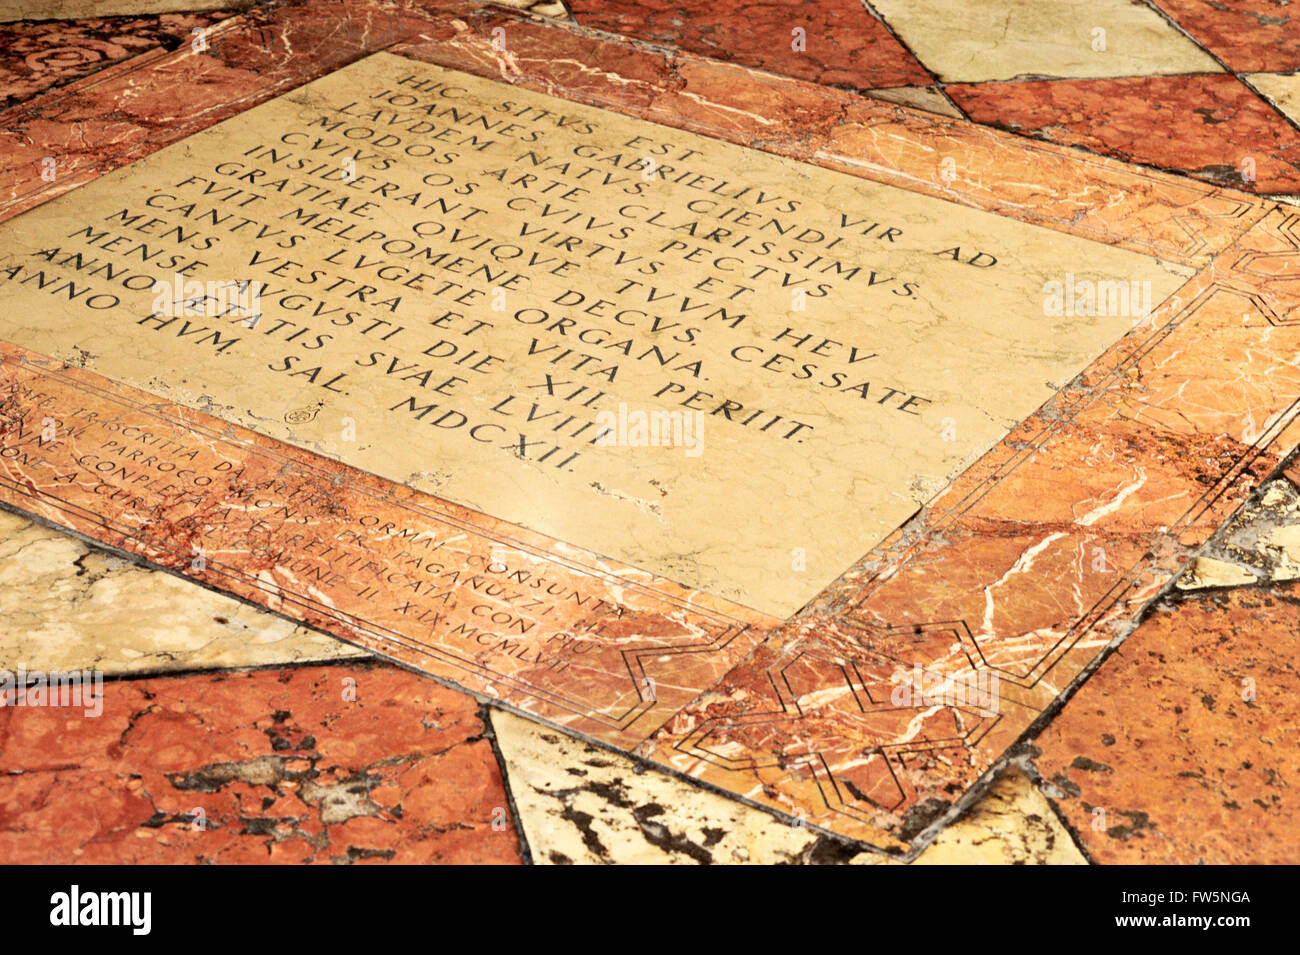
[
  {"x": 1211, "y": 127},
  {"x": 1248, "y": 35},
  {"x": 38, "y": 56},
  {"x": 843, "y": 44},
  {"x": 1184, "y": 747},
  {"x": 319, "y": 764}
]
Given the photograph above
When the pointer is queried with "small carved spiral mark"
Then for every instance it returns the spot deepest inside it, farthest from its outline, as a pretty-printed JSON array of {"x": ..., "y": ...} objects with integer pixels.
[{"x": 61, "y": 58}]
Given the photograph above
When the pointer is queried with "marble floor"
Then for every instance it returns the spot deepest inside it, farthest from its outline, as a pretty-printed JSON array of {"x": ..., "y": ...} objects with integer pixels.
[{"x": 1087, "y": 530}]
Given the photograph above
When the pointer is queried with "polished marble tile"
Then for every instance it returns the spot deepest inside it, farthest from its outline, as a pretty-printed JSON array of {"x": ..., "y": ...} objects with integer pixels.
[
  {"x": 572, "y": 636},
  {"x": 1181, "y": 749},
  {"x": 832, "y": 42},
  {"x": 1213, "y": 126},
  {"x": 66, "y": 605},
  {"x": 342, "y": 764},
  {"x": 965, "y": 41},
  {"x": 1178, "y": 222},
  {"x": 1248, "y": 35}
]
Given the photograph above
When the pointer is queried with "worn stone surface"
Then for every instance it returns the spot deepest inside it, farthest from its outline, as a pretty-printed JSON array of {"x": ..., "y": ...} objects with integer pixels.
[
  {"x": 1012, "y": 824},
  {"x": 1261, "y": 542},
  {"x": 541, "y": 8},
  {"x": 1206, "y": 572},
  {"x": 343, "y": 764},
  {"x": 579, "y": 803}
]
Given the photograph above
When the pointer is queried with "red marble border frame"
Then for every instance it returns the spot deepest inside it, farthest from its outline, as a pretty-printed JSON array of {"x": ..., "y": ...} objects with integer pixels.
[
  {"x": 635, "y": 667},
  {"x": 1030, "y": 566},
  {"x": 1050, "y": 546}
]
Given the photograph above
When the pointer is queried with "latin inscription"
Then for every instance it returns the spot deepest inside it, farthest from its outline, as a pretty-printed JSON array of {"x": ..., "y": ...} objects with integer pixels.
[{"x": 733, "y": 370}]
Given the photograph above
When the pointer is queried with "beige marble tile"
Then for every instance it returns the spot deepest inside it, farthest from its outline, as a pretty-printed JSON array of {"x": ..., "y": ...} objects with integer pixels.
[
  {"x": 1282, "y": 88},
  {"x": 697, "y": 322},
  {"x": 928, "y": 98},
  {"x": 66, "y": 606},
  {"x": 80, "y": 9},
  {"x": 974, "y": 40},
  {"x": 1207, "y": 572},
  {"x": 579, "y": 803},
  {"x": 550, "y": 10},
  {"x": 1261, "y": 542}
]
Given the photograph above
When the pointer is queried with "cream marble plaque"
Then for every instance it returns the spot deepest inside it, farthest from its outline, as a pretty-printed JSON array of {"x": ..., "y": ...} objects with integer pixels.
[{"x": 734, "y": 370}]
